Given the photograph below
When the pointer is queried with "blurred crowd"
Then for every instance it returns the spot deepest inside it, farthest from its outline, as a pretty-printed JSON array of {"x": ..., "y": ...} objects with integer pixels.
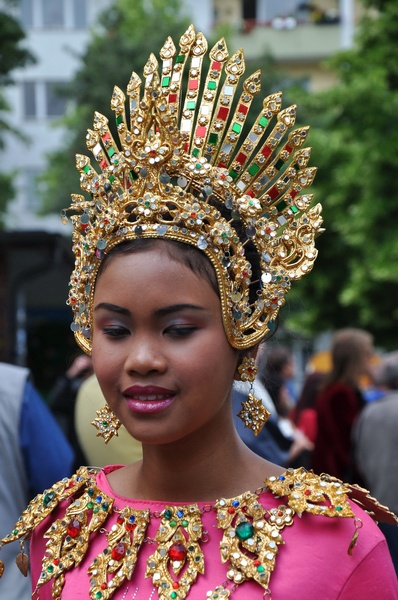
[{"x": 340, "y": 418}]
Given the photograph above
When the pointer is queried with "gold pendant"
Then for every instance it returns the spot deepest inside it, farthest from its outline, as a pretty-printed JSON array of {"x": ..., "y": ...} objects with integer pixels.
[
  {"x": 250, "y": 543},
  {"x": 178, "y": 550},
  {"x": 43, "y": 504},
  {"x": 316, "y": 494},
  {"x": 68, "y": 538},
  {"x": 120, "y": 557}
]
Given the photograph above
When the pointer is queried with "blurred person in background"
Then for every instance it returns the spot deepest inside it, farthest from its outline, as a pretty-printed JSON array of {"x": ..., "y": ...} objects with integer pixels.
[
  {"x": 376, "y": 445},
  {"x": 340, "y": 402},
  {"x": 304, "y": 414},
  {"x": 62, "y": 399},
  {"x": 277, "y": 374},
  {"x": 279, "y": 441},
  {"x": 34, "y": 454}
]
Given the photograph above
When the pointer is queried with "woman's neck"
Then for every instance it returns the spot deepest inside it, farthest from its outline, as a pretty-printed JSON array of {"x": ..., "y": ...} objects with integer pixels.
[{"x": 198, "y": 468}]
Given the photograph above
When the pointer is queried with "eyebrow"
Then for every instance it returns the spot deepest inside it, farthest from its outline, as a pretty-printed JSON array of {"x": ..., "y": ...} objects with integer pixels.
[
  {"x": 112, "y": 308},
  {"x": 161, "y": 312}
]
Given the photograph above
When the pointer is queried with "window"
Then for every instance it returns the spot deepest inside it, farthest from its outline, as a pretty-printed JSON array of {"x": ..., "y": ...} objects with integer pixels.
[
  {"x": 79, "y": 14},
  {"x": 43, "y": 99},
  {"x": 29, "y": 99},
  {"x": 32, "y": 189},
  {"x": 65, "y": 14},
  {"x": 55, "y": 98},
  {"x": 26, "y": 13},
  {"x": 53, "y": 13}
]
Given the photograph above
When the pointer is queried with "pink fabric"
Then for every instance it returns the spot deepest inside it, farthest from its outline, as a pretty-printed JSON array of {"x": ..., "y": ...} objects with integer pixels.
[{"x": 313, "y": 563}]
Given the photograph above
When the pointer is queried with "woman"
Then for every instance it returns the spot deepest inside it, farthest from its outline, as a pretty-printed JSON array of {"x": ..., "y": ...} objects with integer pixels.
[
  {"x": 340, "y": 402},
  {"x": 177, "y": 279}
]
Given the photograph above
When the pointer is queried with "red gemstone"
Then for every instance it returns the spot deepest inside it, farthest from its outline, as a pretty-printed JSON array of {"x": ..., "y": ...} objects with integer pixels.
[
  {"x": 231, "y": 510},
  {"x": 177, "y": 552},
  {"x": 118, "y": 551},
  {"x": 103, "y": 586},
  {"x": 172, "y": 98},
  {"x": 176, "y": 585},
  {"x": 241, "y": 158},
  {"x": 223, "y": 113},
  {"x": 307, "y": 492},
  {"x": 56, "y": 561},
  {"x": 73, "y": 528},
  {"x": 120, "y": 520}
]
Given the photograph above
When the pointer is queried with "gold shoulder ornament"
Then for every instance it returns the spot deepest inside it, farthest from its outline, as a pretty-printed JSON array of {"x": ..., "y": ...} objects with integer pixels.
[
  {"x": 251, "y": 534},
  {"x": 195, "y": 166}
]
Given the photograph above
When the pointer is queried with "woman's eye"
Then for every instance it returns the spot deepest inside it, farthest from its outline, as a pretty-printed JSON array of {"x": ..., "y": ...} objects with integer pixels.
[
  {"x": 115, "y": 332},
  {"x": 180, "y": 330}
]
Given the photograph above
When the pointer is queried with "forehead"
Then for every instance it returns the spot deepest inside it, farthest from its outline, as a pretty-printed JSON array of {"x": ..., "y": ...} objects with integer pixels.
[{"x": 153, "y": 273}]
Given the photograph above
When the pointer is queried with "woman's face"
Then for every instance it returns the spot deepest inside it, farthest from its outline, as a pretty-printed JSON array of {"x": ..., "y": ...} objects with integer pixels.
[{"x": 159, "y": 348}]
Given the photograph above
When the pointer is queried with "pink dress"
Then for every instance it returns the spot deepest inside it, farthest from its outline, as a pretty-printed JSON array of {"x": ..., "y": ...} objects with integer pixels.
[{"x": 311, "y": 563}]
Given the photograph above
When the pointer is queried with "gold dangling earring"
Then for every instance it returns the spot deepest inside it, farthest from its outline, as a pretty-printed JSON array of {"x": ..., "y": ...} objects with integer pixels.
[
  {"x": 106, "y": 423},
  {"x": 253, "y": 413}
]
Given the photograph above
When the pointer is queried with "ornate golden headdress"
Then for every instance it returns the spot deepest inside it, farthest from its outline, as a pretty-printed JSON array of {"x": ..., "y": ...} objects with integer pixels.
[{"x": 189, "y": 168}]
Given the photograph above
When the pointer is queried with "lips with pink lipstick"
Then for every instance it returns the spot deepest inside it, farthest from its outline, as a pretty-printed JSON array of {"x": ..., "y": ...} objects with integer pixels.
[{"x": 148, "y": 399}]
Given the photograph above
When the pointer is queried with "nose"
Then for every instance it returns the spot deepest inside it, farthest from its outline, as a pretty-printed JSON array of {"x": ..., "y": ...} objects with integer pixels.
[{"x": 145, "y": 356}]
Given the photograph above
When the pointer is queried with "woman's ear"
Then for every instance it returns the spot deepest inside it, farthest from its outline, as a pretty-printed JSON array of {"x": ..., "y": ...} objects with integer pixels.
[{"x": 251, "y": 353}]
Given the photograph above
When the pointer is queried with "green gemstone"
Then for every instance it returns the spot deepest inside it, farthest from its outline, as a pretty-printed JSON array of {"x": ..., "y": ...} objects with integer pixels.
[
  {"x": 173, "y": 595},
  {"x": 198, "y": 166},
  {"x": 263, "y": 122},
  {"x": 339, "y": 508},
  {"x": 180, "y": 58},
  {"x": 133, "y": 175},
  {"x": 15, "y": 532},
  {"x": 98, "y": 595},
  {"x": 191, "y": 105},
  {"x": 111, "y": 179},
  {"x": 185, "y": 523},
  {"x": 105, "y": 424},
  {"x": 279, "y": 164},
  {"x": 211, "y": 85},
  {"x": 196, "y": 152},
  {"x": 294, "y": 209},
  {"x": 90, "y": 505},
  {"x": 244, "y": 530},
  {"x": 96, "y": 509},
  {"x": 168, "y": 513},
  {"x": 236, "y": 127},
  {"x": 50, "y": 568},
  {"x": 165, "y": 81},
  {"x": 119, "y": 119},
  {"x": 47, "y": 498},
  {"x": 87, "y": 169},
  {"x": 111, "y": 151},
  {"x": 281, "y": 206},
  {"x": 253, "y": 169},
  {"x": 173, "y": 523},
  {"x": 213, "y": 139},
  {"x": 260, "y": 569},
  {"x": 233, "y": 174}
]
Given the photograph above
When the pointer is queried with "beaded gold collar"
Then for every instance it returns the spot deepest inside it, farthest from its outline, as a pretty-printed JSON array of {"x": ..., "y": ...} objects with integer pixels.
[{"x": 251, "y": 534}]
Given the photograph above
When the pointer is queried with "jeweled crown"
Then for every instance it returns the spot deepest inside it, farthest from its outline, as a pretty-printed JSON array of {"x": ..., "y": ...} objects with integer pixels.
[{"x": 188, "y": 167}]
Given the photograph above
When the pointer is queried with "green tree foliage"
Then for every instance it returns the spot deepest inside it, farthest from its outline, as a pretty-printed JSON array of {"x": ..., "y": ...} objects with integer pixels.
[
  {"x": 355, "y": 141},
  {"x": 13, "y": 55}
]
